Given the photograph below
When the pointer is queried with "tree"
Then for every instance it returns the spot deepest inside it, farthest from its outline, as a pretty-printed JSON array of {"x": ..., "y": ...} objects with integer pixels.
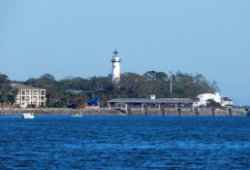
[
  {"x": 131, "y": 85},
  {"x": 211, "y": 102},
  {"x": 12, "y": 95},
  {"x": 4, "y": 97},
  {"x": 79, "y": 103},
  {"x": 215, "y": 87},
  {"x": 150, "y": 75},
  {"x": 60, "y": 104},
  {"x": 186, "y": 95},
  {"x": 7, "y": 93},
  {"x": 4, "y": 83},
  {"x": 161, "y": 76}
]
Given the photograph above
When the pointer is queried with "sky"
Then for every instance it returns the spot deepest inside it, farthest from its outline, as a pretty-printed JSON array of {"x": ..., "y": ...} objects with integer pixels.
[{"x": 77, "y": 38}]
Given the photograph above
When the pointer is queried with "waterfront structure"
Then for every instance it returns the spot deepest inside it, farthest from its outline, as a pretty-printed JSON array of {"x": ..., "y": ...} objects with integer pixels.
[
  {"x": 115, "y": 67},
  {"x": 28, "y": 95},
  {"x": 226, "y": 102},
  {"x": 204, "y": 97},
  {"x": 175, "y": 102}
]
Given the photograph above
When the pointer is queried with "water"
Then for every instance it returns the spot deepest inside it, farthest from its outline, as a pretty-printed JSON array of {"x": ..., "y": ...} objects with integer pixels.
[{"x": 120, "y": 142}]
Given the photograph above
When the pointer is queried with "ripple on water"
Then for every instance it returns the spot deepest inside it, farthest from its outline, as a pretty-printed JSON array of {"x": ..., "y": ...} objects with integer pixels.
[{"x": 111, "y": 142}]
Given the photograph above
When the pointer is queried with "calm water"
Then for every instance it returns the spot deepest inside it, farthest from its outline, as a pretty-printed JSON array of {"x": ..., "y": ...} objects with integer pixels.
[{"x": 120, "y": 142}]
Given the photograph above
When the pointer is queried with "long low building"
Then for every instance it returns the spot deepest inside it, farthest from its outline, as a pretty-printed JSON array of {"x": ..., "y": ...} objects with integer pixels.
[{"x": 160, "y": 101}]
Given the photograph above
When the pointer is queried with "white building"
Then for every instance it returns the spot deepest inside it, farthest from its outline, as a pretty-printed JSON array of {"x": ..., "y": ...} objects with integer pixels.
[
  {"x": 115, "y": 67},
  {"x": 226, "y": 102},
  {"x": 204, "y": 97},
  {"x": 28, "y": 95}
]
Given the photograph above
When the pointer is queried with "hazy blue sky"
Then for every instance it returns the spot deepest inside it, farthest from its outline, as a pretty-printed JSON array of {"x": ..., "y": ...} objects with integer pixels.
[{"x": 77, "y": 38}]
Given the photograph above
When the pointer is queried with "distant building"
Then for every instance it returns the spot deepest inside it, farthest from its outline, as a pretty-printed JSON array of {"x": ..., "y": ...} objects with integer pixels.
[
  {"x": 76, "y": 91},
  {"x": 115, "y": 67},
  {"x": 226, "y": 101},
  {"x": 28, "y": 95},
  {"x": 204, "y": 97},
  {"x": 160, "y": 102}
]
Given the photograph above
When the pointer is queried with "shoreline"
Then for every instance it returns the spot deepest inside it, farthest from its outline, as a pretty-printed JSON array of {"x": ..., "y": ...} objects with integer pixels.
[{"x": 130, "y": 112}]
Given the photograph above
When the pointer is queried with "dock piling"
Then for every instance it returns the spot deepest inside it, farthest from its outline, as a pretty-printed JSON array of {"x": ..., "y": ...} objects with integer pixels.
[
  {"x": 230, "y": 112},
  {"x": 179, "y": 110},
  {"x": 212, "y": 111},
  {"x": 196, "y": 112}
]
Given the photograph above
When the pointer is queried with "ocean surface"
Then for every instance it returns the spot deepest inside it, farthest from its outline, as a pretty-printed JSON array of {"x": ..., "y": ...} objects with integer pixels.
[{"x": 124, "y": 142}]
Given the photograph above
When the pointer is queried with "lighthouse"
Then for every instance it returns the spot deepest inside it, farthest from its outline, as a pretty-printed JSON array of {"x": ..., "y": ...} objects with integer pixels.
[{"x": 115, "y": 67}]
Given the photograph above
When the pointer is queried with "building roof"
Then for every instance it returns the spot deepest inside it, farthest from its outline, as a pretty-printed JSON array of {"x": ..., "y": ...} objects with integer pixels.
[
  {"x": 24, "y": 87},
  {"x": 76, "y": 91},
  {"x": 226, "y": 99},
  {"x": 160, "y": 100}
]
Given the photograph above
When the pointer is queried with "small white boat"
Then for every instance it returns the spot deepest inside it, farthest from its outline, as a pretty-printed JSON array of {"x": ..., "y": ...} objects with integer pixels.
[
  {"x": 28, "y": 115},
  {"x": 77, "y": 115}
]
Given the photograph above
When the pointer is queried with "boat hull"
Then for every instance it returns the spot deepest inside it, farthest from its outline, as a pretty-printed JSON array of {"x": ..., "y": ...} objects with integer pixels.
[
  {"x": 76, "y": 116},
  {"x": 28, "y": 116}
]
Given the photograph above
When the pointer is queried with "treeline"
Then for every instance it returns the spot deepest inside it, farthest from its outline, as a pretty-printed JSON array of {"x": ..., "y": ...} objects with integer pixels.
[
  {"x": 7, "y": 93},
  {"x": 131, "y": 85}
]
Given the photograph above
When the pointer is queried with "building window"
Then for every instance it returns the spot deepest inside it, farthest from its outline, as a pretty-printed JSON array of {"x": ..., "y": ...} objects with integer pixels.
[
  {"x": 42, "y": 103},
  {"x": 23, "y": 98},
  {"x": 27, "y": 98},
  {"x": 35, "y": 92},
  {"x": 42, "y": 97},
  {"x": 27, "y": 92},
  {"x": 23, "y": 92},
  {"x": 42, "y": 92},
  {"x": 23, "y": 103}
]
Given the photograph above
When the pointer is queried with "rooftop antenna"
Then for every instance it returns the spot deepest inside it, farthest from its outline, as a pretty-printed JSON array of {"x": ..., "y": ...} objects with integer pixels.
[{"x": 170, "y": 81}]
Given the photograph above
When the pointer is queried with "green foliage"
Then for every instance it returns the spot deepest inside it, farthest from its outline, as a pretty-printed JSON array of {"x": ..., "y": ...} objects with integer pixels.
[
  {"x": 12, "y": 95},
  {"x": 186, "y": 95},
  {"x": 31, "y": 106},
  {"x": 4, "y": 83},
  {"x": 7, "y": 93},
  {"x": 60, "y": 104},
  {"x": 4, "y": 96},
  {"x": 161, "y": 76},
  {"x": 54, "y": 89},
  {"x": 211, "y": 102},
  {"x": 131, "y": 85},
  {"x": 79, "y": 103},
  {"x": 150, "y": 75}
]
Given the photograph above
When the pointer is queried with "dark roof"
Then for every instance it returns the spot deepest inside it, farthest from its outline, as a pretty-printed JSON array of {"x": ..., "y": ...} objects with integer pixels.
[
  {"x": 22, "y": 86},
  {"x": 160, "y": 100},
  {"x": 226, "y": 99}
]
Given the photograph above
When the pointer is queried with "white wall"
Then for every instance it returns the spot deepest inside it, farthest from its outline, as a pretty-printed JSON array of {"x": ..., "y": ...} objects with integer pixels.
[
  {"x": 204, "y": 97},
  {"x": 116, "y": 68},
  {"x": 225, "y": 103}
]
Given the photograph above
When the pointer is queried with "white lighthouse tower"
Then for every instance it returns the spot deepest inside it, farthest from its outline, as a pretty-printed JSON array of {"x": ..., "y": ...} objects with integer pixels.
[{"x": 115, "y": 67}]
